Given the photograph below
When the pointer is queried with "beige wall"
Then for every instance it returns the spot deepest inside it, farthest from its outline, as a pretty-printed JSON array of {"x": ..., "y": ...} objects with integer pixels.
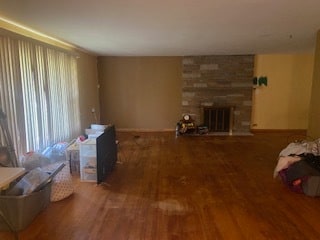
[
  {"x": 284, "y": 103},
  {"x": 142, "y": 93},
  {"x": 88, "y": 89},
  {"x": 314, "y": 119}
]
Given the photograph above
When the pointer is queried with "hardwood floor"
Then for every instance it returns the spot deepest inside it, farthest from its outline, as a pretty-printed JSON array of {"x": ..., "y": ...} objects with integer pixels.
[{"x": 190, "y": 187}]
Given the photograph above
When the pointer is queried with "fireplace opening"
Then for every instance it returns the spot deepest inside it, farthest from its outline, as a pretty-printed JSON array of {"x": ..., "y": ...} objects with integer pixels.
[{"x": 218, "y": 119}]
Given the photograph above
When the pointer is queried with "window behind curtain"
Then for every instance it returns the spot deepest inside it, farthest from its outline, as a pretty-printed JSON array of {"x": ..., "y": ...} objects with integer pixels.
[{"x": 39, "y": 93}]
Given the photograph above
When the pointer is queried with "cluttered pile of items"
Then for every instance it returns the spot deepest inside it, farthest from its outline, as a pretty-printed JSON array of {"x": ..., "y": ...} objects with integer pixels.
[
  {"x": 298, "y": 167},
  {"x": 187, "y": 125},
  {"x": 27, "y": 187}
]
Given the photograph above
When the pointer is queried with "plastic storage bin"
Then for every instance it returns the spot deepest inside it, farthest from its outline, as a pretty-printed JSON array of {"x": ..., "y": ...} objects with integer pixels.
[
  {"x": 19, "y": 211},
  {"x": 88, "y": 160},
  {"x": 73, "y": 156}
]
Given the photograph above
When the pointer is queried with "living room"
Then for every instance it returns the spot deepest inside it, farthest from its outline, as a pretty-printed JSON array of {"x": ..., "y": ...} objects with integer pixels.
[{"x": 144, "y": 83}]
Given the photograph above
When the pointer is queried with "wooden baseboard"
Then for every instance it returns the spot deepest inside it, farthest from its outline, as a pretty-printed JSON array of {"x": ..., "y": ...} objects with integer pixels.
[
  {"x": 144, "y": 130},
  {"x": 282, "y": 131}
]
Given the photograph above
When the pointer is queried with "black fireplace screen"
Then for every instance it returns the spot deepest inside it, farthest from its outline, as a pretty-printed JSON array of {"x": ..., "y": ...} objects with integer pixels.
[{"x": 217, "y": 119}]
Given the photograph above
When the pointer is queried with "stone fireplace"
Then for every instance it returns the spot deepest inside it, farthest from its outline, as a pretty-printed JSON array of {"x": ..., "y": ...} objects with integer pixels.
[{"x": 218, "y": 82}]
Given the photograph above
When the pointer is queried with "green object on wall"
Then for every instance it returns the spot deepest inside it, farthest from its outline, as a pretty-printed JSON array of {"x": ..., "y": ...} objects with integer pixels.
[
  {"x": 263, "y": 81},
  {"x": 255, "y": 81}
]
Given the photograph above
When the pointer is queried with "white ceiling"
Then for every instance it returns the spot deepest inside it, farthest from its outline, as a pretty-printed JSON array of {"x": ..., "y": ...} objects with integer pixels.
[{"x": 173, "y": 27}]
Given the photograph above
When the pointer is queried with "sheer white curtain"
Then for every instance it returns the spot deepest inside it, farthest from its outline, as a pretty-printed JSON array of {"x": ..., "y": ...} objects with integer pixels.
[
  {"x": 10, "y": 90},
  {"x": 39, "y": 93}
]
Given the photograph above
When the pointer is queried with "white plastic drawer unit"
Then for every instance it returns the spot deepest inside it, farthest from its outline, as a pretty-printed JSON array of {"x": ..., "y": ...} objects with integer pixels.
[{"x": 88, "y": 160}]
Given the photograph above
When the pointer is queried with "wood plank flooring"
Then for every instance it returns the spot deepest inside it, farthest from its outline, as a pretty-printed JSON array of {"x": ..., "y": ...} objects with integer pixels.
[{"x": 190, "y": 187}]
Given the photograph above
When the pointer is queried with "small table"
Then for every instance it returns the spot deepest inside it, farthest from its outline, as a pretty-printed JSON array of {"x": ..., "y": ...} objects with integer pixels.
[{"x": 9, "y": 174}]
